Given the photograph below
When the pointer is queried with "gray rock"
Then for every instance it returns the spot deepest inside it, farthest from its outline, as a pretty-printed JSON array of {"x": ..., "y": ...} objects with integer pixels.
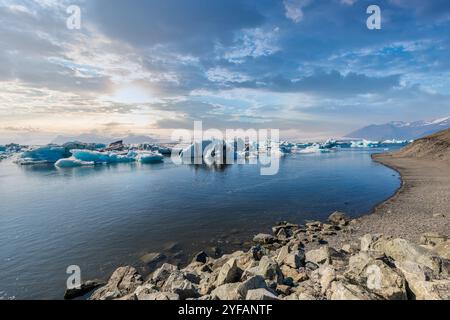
[
  {"x": 85, "y": 288},
  {"x": 319, "y": 256},
  {"x": 227, "y": 292},
  {"x": 229, "y": 273},
  {"x": 343, "y": 290},
  {"x": 122, "y": 282},
  {"x": 161, "y": 274},
  {"x": 160, "y": 296},
  {"x": 270, "y": 270},
  {"x": 264, "y": 239},
  {"x": 432, "y": 238},
  {"x": 338, "y": 218},
  {"x": 200, "y": 257},
  {"x": 260, "y": 294},
  {"x": 255, "y": 282}
]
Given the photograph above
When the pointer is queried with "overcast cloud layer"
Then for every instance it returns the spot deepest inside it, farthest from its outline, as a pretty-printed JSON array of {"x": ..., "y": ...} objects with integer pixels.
[{"x": 310, "y": 68}]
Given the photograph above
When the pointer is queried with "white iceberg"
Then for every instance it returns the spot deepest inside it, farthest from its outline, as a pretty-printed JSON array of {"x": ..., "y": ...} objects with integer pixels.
[
  {"x": 150, "y": 157},
  {"x": 315, "y": 148},
  {"x": 72, "y": 163}
]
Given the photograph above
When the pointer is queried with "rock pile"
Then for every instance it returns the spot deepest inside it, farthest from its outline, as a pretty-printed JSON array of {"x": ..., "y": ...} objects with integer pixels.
[{"x": 279, "y": 267}]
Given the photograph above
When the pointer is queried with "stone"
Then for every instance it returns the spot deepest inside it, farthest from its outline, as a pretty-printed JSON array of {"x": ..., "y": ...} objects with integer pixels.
[
  {"x": 368, "y": 240},
  {"x": 229, "y": 273},
  {"x": 178, "y": 283},
  {"x": 327, "y": 276},
  {"x": 295, "y": 260},
  {"x": 255, "y": 282},
  {"x": 258, "y": 252},
  {"x": 160, "y": 275},
  {"x": 84, "y": 288},
  {"x": 270, "y": 270},
  {"x": 122, "y": 282},
  {"x": 338, "y": 218},
  {"x": 319, "y": 256},
  {"x": 282, "y": 254},
  {"x": 343, "y": 290},
  {"x": 402, "y": 250},
  {"x": 264, "y": 239},
  {"x": 443, "y": 249},
  {"x": 152, "y": 258},
  {"x": 294, "y": 274},
  {"x": 377, "y": 277},
  {"x": 421, "y": 284},
  {"x": 260, "y": 294},
  {"x": 145, "y": 290},
  {"x": 227, "y": 292},
  {"x": 432, "y": 238},
  {"x": 200, "y": 257},
  {"x": 160, "y": 296}
]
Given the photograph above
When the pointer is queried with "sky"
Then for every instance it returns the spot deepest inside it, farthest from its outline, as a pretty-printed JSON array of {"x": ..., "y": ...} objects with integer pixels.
[{"x": 147, "y": 67}]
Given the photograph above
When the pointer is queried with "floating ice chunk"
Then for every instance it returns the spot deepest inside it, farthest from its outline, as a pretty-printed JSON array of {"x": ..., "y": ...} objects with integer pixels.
[
  {"x": 103, "y": 157},
  {"x": 315, "y": 148},
  {"x": 72, "y": 163},
  {"x": 150, "y": 157},
  {"x": 2, "y": 148},
  {"x": 365, "y": 144},
  {"x": 46, "y": 154}
]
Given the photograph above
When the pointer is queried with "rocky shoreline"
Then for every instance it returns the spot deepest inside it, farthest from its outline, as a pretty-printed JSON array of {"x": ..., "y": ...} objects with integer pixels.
[{"x": 281, "y": 267}]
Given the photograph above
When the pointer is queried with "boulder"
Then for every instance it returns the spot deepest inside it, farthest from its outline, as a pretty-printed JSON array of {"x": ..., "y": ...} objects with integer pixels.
[
  {"x": 294, "y": 274},
  {"x": 338, "y": 219},
  {"x": 227, "y": 292},
  {"x": 377, "y": 277},
  {"x": 264, "y": 239},
  {"x": 122, "y": 282},
  {"x": 319, "y": 256},
  {"x": 258, "y": 252},
  {"x": 402, "y": 250},
  {"x": 229, "y": 273},
  {"x": 85, "y": 288},
  {"x": 421, "y": 284},
  {"x": 343, "y": 290},
  {"x": 327, "y": 276},
  {"x": 270, "y": 270},
  {"x": 295, "y": 260},
  {"x": 161, "y": 274},
  {"x": 160, "y": 296},
  {"x": 200, "y": 257},
  {"x": 443, "y": 249},
  {"x": 255, "y": 282},
  {"x": 282, "y": 254},
  {"x": 260, "y": 294},
  {"x": 368, "y": 240},
  {"x": 178, "y": 283}
]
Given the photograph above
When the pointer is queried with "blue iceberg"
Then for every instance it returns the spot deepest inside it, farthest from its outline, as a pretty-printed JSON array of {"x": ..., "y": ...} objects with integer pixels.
[{"x": 45, "y": 154}]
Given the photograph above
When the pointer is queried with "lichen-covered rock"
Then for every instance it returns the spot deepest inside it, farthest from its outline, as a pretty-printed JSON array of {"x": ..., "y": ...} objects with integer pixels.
[
  {"x": 122, "y": 282},
  {"x": 319, "y": 256}
]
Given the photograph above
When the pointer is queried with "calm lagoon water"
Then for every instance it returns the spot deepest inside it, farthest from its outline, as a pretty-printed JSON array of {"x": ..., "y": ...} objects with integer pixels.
[{"x": 103, "y": 217}]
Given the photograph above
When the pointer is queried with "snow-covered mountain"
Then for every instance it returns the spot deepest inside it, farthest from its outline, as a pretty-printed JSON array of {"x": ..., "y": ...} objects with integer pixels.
[
  {"x": 88, "y": 138},
  {"x": 400, "y": 130}
]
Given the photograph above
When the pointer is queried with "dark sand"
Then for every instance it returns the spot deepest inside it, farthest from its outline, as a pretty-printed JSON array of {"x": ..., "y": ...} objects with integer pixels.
[{"x": 421, "y": 205}]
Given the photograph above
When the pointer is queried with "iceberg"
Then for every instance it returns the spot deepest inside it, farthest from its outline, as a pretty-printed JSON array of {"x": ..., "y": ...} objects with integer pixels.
[
  {"x": 315, "y": 148},
  {"x": 45, "y": 154},
  {"x": 150, "y": 157},
  {"x": 103, "y": 157},
  {"x": 2, "y": 148},
  {"x": 72, "y": 163},
  {"x": 208, "y": 150},
  {"x": 365, "y": 144}
]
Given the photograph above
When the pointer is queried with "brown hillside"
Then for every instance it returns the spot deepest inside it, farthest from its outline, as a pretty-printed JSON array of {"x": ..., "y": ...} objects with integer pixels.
[{"x": 436, "y": 146}]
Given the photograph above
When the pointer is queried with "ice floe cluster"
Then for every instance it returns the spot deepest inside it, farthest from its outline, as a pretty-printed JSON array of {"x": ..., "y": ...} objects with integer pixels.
[{"x": 77, "y": 154}]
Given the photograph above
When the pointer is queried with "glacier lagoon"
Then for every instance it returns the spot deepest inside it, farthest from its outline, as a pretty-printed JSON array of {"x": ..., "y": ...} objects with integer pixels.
[{"x": 105, "y": 216}]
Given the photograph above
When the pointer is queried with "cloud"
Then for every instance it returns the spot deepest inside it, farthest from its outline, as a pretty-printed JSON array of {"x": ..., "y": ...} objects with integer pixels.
[{"x": 294, "y": 9}]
